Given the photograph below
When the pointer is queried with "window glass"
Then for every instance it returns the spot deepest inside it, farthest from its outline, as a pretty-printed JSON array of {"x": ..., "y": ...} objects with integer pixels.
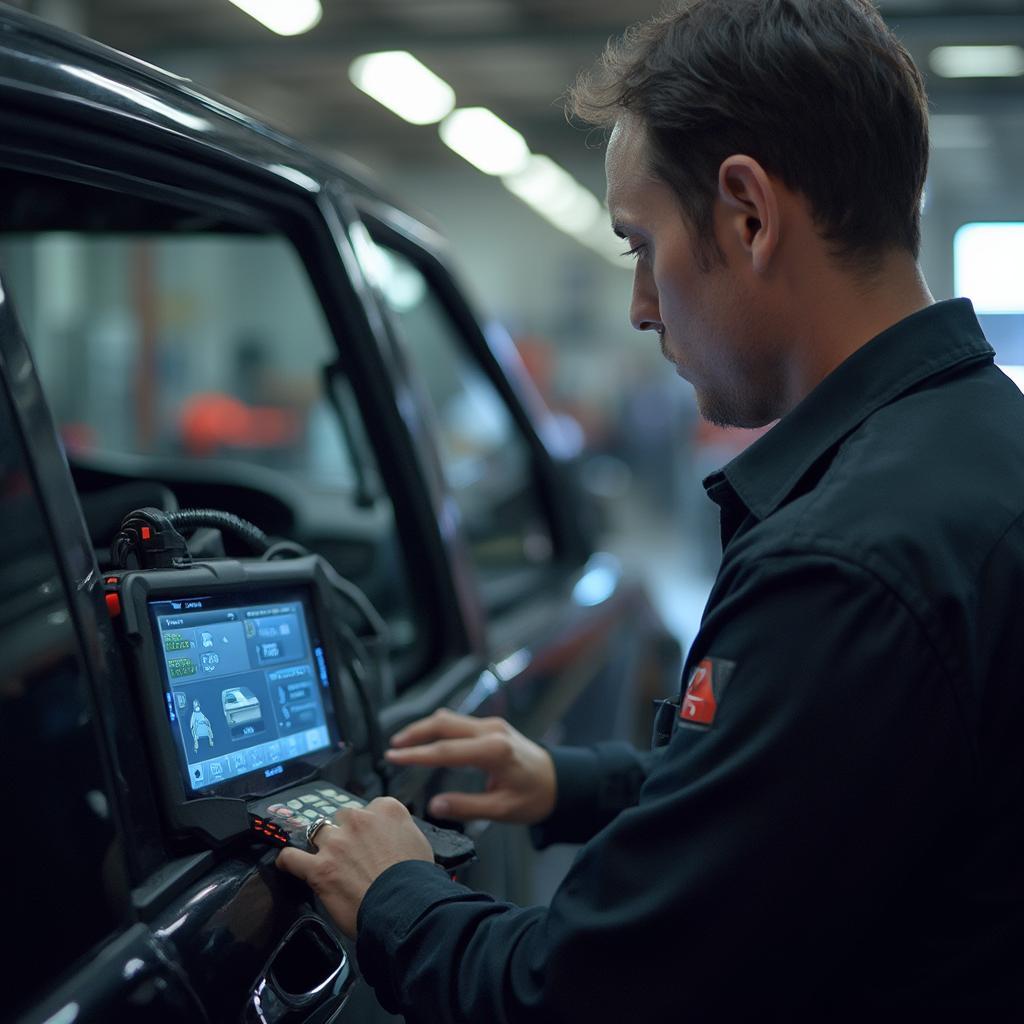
[
  {"x": 988, "y": 268},
  {"x": 177, "y": 348},
  {"x": 199, "y": 346},
  {"x": 69, "y": 879},
  {"x": 487, "y": 460}
]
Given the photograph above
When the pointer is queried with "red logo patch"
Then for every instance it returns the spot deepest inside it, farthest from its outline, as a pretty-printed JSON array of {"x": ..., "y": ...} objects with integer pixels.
[{"x": 699, "y": 705}]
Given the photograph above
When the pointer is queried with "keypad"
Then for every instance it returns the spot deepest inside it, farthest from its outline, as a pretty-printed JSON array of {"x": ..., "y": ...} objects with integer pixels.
[
  {"x": 298, "y": 812},
  {"x": 283, "y": 820}
]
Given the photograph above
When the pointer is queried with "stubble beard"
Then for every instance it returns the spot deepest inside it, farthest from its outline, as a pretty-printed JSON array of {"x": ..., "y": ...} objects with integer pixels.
[{"x": 718, "y": 410}]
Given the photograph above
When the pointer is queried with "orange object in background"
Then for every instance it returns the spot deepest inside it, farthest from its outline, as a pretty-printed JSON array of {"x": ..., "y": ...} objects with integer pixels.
[
  {"x": 212, "y": 421},
  {"x": 78, "y": 437}
]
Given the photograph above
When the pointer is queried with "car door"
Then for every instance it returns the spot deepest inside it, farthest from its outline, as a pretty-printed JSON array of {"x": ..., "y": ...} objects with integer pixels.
[
  {"x": 147, "y": 236},
  {"x": 75, "y": 949},
  {"x": 136, "y": 254},
  {"x": 571, "y": 640}
]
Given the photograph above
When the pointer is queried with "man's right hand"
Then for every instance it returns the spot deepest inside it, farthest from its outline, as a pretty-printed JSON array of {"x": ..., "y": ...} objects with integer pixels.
[{"x": 520, "y": 773}]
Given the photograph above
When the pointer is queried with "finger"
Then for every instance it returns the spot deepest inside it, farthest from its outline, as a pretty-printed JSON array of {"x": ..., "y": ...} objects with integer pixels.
[
  {"x": 441, "y": 725},
  {"x": 324, "y": 832},
  {"x": 465, "y": 806},
  {"x": 295, "y": 862},
  {"x": 486, "y": 751}
]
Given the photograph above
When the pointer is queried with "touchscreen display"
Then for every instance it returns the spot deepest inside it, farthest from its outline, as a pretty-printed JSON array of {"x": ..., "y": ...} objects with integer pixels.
[{"x": 245, "y": 684}]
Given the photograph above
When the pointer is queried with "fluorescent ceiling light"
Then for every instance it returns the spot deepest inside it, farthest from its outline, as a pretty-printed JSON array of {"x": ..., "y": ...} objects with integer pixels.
[
  {"x": 977, "y": 61},
  {"x": 988, "y": 266},
  {"x": 485, "y": 140},
  {"x": 555, "y": 195},
  {"x": 285, "y": 17},
  {"x": 401, "y": 83}
]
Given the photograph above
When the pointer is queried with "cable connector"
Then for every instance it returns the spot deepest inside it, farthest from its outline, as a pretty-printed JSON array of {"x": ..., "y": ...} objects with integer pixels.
[{"x": 148, "y": 539}]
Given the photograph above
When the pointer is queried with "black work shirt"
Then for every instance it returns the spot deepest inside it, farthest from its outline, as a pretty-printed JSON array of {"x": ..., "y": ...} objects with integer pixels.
[{"x": 841, "y": 826}]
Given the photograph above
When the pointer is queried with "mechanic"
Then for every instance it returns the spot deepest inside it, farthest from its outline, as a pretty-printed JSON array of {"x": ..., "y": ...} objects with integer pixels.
[{"x": 832, "y": 821}]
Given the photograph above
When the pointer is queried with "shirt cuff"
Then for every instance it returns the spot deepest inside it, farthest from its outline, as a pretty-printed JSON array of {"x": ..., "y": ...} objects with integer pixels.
[
  {"x": 593, "y": 784},
  {"x": 394, "y": 903}
]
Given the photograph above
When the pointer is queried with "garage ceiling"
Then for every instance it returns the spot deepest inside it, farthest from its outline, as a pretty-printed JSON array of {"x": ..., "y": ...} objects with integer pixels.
[{"x": 513, "y": 56}]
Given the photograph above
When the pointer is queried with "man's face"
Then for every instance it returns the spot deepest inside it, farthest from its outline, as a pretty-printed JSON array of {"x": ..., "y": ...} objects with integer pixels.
[{"x": 707, "y": 320}]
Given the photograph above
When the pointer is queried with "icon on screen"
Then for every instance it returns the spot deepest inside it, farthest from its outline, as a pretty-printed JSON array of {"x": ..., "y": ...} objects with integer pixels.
[
  {"x": 200, "y": 726},
  {"x": 241, "y": 706},
  {"x": 180, "y": 667}
]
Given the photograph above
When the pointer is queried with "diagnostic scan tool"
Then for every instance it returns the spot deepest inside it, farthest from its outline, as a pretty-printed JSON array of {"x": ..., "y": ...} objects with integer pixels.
[
  {"x": 246, "y": 683},
  {"x": 242, "y": 686}
]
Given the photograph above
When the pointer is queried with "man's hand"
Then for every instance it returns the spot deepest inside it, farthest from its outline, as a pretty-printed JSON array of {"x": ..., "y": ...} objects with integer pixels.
[
  {"x": 349, "y": 857},
  {"x": 520, "y": 773}
]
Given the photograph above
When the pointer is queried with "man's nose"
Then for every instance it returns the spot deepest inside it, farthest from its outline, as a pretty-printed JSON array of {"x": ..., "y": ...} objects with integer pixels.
[{"x": 644, "y": 313}]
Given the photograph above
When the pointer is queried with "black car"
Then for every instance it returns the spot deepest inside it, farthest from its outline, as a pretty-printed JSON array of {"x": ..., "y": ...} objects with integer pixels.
[{"x": 198, "y": 313}]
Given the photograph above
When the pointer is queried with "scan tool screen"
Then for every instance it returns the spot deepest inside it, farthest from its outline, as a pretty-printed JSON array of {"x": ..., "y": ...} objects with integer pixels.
[{"x": 246, "y": 684}]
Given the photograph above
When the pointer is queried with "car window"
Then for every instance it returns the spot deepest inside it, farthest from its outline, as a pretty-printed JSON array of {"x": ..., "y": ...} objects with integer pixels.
[
  {"x": 486, "y": 459},
  {"x": 174, "y": 344},
  {"x": 69, "y": 881},
  {"x": 199, "y": 346}
]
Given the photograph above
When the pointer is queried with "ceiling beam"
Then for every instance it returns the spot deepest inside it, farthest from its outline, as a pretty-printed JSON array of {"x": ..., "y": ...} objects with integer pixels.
[{"x": 929, "y": 30}]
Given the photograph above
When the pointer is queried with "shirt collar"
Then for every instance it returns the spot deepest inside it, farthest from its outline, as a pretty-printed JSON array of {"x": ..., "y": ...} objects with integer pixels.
[{"x": 925, "y": 344}]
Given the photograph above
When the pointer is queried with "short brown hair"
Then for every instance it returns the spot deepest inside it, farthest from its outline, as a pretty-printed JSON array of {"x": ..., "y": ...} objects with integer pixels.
[{"x": 819, "y": 92}]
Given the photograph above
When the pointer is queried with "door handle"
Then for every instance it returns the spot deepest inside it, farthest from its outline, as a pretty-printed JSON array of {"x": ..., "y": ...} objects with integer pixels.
[{"x": 306, "y": 979}]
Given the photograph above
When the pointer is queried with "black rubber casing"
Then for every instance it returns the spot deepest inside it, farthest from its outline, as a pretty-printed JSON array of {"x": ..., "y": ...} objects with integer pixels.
[{"x": 218, "y": 814}]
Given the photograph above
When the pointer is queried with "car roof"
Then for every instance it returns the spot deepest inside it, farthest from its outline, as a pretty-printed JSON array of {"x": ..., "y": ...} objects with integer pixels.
[{"x": 41, "y": 63}]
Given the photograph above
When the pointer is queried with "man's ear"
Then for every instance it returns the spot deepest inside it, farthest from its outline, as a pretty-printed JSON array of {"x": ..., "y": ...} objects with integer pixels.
[{"x": 752, "y": 206}]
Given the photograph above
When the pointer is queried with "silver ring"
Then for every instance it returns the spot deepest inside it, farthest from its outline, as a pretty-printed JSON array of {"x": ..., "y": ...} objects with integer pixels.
[{"x": 313, "y": 827}]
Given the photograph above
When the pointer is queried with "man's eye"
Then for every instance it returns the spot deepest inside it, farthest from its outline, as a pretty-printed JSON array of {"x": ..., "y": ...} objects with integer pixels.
[{"x": 636, "y": 252}]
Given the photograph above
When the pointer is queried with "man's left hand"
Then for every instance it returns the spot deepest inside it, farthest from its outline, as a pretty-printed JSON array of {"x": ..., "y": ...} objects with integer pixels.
[{"x": 350, "y": 855}]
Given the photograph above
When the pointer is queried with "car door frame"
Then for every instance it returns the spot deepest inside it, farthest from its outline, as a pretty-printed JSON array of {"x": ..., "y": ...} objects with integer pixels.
[
  {"x": 126, "y": 961},
  {"x": 547, "y": 617},
  {"x": 93, "y": 159}
]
